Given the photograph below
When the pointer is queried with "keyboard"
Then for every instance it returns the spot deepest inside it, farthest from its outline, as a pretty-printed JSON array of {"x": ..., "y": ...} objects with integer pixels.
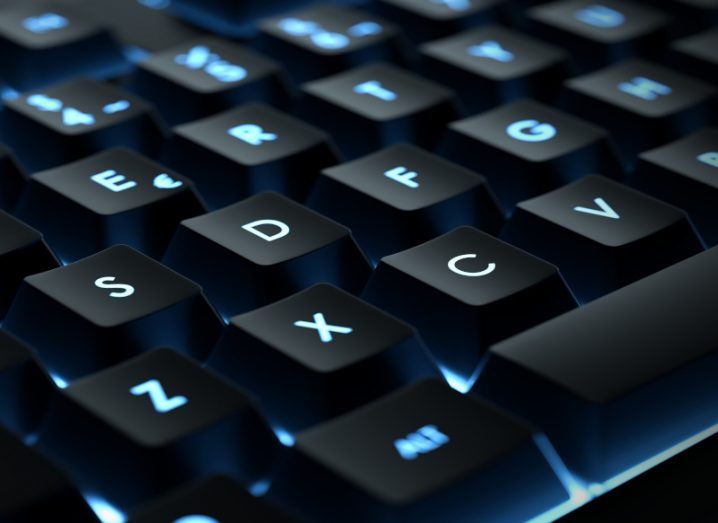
[{"x": 358, "y": 260}]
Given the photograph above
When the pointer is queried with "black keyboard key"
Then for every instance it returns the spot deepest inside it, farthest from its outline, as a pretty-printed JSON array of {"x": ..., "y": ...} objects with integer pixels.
[
  {"x": 113, "y": 197},
  {"x": 601, "y": 234},
  {"x": 642, "y": 104},
  {"x": 402, "y": 196},
  {"x": 228, "y": 17},
  {"x": 526, "y": 148},
  {"x": 326, "y": 39},
  {"x": 431, "y": 19},
  {"x": 211, "y": 500},
  {"x": 25, "y": 388},
  {"x": 696, "y": 55},
  {"x": 35, "y": 489},
  {"x": 601, "y": 33},
  {"x": 466, "y": 290},
  {"x": 263, "y": 249},
  {"x": 491, "y": 65},
  {"x": 142, "y": 26},
  {"x": 685, "y": 173},
  {"x": 423, "y": 451},
  {"x": 43, "y": 43},
  {"x": 377, "y": 105},
  {"x": 107, "y": 308},
  {"x": 250, "y": 149},
  {"x": 208, "y": 75},
  {"x": 327, "y": 343},
  {"x": 22, "y": 252},
  {"x": 12, "y": 179},
  {"x": 69, "y": 121},
  {"x": 626, "y": 376},
  {"x": 154, "y": 423}
]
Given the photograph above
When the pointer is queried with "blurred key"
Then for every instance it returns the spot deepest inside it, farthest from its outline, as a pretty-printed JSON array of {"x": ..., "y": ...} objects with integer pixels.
[
  {"x": 35, "y": 489},
  {"x": 430, "y": 19},
  {"x": 423, "y": 451},
  {"x": 685, "y": 173},
  {"x": 22, "y": 252},
  {"x": 601, "y": 33},
  {"x": 466, "y": 290},
  {"x": 696, "y": 54},
  {"x": 210, "y": 500},
  {"x": 263, "y": 249},
  {"x": 72, "y": 120},
  {"x": 113, "y": 197},
  {"x": 602, "y": 235},
  {"x": 377, "y": 105},
  {"x": 252, "y": 148},
  {"x": 326, "y": 39},
  {"x": 43, "y": 43},
  {"x": 491, "y": 65},
  {"x": 642, "y": 104},
  {"x": 624, "y": 377},
  {"x": 25, "y": 388},
  {"x": 402, "y": 196},
  {"x": 109, "y": 307},
  {"x": 208, "y": 75},
  {"x": 332, "y": 351},
  {"x": 228, "y": 17},
  {"x": 12, "y": 179},
  {"x": 154, "y": 423},
  {"x": 690, "y": 15},
  {"x": 526, "y": 148}
]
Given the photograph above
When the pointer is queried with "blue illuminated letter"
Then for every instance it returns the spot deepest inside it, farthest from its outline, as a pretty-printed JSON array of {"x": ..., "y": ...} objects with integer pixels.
[
  {"x": 427, "y": 439},
  {"x": 160, "y": 402}
]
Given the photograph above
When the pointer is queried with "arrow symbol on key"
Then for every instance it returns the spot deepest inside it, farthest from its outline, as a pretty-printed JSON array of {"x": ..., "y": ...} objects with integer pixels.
[{"x": 605, "y": 211}]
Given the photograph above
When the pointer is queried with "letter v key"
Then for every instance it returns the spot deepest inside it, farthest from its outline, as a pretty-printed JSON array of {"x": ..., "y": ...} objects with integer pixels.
[
  {"x": 605, "y": 211},
  {"x": 158, "y": 397}
]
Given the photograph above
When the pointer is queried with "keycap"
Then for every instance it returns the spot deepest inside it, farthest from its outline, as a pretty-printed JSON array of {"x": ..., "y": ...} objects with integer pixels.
[
  {"x": 377, "y": 105},
  {"x": 323, "y": 40},
  {"x": 626, "y": 376},
  {"x": 685, "y": 173},
  {"x": 154, "y": 423},
  {"x": 35, "y": 489},
  {"x": 526, "y": 148},
  {"x": 601, "y": 33},
  {"x": 42, "y": 43},
  {"x": 113, "y": 197},
  {"x": 206, "y": 76},
  {"x": 12, "y": 179},
  {"x": 263, "y": 249},
  {"x": 695, "y": 54},
  {"x": 25, "y": 387},
  {"x": 217, "y": 498},
  {"x": 250, "y": 149},
  {"x": 642, "y": 104},
  {"x": 22, "y": 252},
  {"x": 431, "y": 19},
  {"x": 464, "y": 291},
  {"x": 423, "y": 451},
  {"x": 142, "y": 26},
  {"x": 491, "y": 65},
  {"x": 402, "y": 196},
  {"x": 601, "y": 234},
  {"x": 323, "y": 343},
  {"x": 236, "y": 19},
  {"x": 108, "y": 307},
  {"x": 72, "y": 120}
]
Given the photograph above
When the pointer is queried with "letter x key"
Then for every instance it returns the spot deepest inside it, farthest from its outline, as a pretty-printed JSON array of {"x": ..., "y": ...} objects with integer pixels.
[{"x": 323, "y": 328}]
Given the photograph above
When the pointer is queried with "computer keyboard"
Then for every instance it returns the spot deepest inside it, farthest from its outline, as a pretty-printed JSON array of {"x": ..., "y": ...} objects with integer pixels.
[{"x": 358, "y": 260}]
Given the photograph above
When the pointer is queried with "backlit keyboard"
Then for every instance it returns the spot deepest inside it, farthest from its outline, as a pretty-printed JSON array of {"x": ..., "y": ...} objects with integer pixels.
[{"x": 386, "y": 261}]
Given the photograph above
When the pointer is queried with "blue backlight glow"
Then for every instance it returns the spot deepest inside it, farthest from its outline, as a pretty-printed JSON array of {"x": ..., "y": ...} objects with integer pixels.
[{"x": 104, "y": 510}]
